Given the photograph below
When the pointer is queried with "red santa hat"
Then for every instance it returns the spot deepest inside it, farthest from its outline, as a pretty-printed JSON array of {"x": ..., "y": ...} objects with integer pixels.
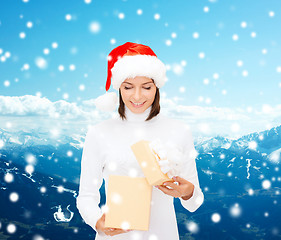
[{"x": 128, "y": 61}]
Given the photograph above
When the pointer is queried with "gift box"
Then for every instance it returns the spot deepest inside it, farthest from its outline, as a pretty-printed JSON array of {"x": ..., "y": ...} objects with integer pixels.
[
  {"x": 147, "y": 160},
  {"x": 128, "y": 203}
]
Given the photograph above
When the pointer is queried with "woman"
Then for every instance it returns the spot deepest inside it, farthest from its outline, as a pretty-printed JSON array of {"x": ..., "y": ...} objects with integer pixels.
[{"x": 136, "y": 72}]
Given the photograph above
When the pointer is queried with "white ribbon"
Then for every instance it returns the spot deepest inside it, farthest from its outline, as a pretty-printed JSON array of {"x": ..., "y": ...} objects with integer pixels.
[{"x": 169, "y": 156}]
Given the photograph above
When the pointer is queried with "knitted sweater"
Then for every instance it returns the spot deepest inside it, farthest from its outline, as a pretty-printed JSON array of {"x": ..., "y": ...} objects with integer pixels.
[{"x": 107, "y": 151}]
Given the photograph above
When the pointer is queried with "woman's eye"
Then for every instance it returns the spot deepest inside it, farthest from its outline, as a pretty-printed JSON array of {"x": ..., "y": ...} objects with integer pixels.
[{"x": 126, "y": 88}]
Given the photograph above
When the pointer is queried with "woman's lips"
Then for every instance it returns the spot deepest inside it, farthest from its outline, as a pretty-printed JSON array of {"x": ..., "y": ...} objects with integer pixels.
[{"x": 138, "y": 106}]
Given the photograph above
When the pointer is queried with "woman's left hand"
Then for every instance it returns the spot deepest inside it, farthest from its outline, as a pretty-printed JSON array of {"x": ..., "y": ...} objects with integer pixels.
[{"x": 184, "y": 189}]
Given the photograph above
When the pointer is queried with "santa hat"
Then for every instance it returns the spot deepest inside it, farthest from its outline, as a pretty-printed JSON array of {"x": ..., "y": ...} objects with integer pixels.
[{"x": 128, "y": 61}]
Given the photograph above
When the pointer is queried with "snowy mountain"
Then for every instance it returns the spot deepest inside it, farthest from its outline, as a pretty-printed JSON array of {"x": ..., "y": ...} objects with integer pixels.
[
  {"x": 240, "y": 174},
  {"x": 248, "y": 160},
  {"x": 265, "y": 143},
  {"x": 210, "y": 143},
  {"x": 39, "y": 138}
]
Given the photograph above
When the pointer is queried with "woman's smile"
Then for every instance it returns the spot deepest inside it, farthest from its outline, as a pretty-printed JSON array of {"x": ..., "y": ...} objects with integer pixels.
[{"x": 138, "y": 105}]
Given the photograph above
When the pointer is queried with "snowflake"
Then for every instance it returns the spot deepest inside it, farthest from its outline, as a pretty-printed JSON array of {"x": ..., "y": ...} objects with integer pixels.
[
  {"x": 216, "y": 217},
  {"x": 266, "y": 184},
  {"x": 121, "y": 15},
  {"x": 11, "y": 228},
  {"x": 157, "y": 16},
  {"x": 235, "y": 210},
  {"x": 139, "y": 12},
  {"x": 14, "y": 197}
]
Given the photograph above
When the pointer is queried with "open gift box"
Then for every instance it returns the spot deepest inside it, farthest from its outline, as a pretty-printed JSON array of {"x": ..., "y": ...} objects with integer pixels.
[{"x": 129, "y": 198}]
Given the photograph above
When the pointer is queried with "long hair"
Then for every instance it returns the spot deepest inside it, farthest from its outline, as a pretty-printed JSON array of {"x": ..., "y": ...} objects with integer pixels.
[{"x": 155, "y": 107}]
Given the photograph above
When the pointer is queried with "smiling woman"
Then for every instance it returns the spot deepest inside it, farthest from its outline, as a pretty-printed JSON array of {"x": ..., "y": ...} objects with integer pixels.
[{"x": 137, "y": 73}]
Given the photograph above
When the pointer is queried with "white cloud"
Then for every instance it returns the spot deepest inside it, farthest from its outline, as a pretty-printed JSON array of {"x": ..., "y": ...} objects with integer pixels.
[
  {"x": 29, "y": 105},
  {"x": 31, "y": 112},
  {"x": 220, "y": 120}
]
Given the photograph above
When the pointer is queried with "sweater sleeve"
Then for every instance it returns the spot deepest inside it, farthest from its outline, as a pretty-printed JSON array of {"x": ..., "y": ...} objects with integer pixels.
[
  {"x": 90, "y": 180},
  {"x": 189, "y": 173}
]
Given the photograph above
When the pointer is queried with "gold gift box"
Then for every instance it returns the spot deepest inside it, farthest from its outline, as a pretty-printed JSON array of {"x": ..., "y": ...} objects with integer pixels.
[{"x": 128, "y": 203}]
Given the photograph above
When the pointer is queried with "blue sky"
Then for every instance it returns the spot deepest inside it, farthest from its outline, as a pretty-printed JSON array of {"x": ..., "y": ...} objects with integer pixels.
[{"x": 219, "y": 54}]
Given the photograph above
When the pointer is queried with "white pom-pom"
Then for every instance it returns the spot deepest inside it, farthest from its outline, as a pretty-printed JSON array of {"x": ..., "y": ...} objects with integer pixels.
[{"x": 107, "y": 102}]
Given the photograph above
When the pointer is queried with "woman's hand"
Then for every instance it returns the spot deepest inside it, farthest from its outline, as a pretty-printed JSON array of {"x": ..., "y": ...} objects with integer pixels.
[
  {"x": 184, "y": 189},
  {"x": 108, "y": 231}
]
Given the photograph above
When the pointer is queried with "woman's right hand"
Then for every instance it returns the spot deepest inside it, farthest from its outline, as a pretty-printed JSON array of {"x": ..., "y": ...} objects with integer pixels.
[{"x": 108, "y": 231}]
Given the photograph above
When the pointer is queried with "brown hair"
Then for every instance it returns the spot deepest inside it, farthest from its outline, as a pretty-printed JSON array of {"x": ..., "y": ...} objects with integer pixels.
[{"x": 155, "y": 107}]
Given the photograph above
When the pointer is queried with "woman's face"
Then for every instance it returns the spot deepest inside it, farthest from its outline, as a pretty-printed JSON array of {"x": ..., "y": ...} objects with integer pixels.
[{"x": 138, "y": 93}]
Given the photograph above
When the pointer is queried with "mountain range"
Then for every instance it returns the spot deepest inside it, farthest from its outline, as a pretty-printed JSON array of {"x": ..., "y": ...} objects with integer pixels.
[{"x": 232, "y": 172}]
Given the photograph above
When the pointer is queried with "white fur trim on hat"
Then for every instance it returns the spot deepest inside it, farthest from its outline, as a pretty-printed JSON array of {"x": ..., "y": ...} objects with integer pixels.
[
  {"x": 107, "y": 102},
  {"x": 138, "y": 65}
]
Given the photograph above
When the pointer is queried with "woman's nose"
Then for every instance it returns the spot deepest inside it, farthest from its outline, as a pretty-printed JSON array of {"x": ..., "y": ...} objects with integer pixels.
[{"x": 137, "y": 94}]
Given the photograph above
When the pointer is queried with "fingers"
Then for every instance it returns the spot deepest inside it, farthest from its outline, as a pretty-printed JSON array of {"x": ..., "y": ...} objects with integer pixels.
[
  {"x": 111, "y": 231},
  {"x": 179, "y": 179},
  {"x": 114, "y": 231},
  {"x": 170, "y": 192},
  {"x": 183, "y": 187},
  {"x": 172, "y": 185}
]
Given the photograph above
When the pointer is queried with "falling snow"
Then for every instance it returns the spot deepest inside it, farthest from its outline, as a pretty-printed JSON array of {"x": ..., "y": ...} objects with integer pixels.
[
  {"x": 22, "y": 35},
  {"x": 9, "y": 177},
  {"x": 216, "y": 217},
  {"x": 226, "y": 77},
  {"x": 266, "y": 184},
  {"x": 41, "y": 63},
  {"x": 14, "y": 197},
  {"x": 29, "y": 169},
  {"x": 195, "y": 35},
  {"x": 192, "y": 227},
  {"x": 235, "y": 37},
  {"x": 157, "y": 16},
  {"x": 55, "y": 45},
  {"x": 11, "y": 228},
  {"x": 206, "y": 9},
  {"x": 235, "y": 210},
  {"x": 29, "y": 24},
  {"x": 139, "y": 11},
  {"x": 121, "y": 15},
  {"x": 37, "y": 237}
]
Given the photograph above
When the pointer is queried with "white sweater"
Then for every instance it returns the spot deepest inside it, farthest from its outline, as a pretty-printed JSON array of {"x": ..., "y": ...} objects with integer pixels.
[{"x": 107, "y": 151}]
